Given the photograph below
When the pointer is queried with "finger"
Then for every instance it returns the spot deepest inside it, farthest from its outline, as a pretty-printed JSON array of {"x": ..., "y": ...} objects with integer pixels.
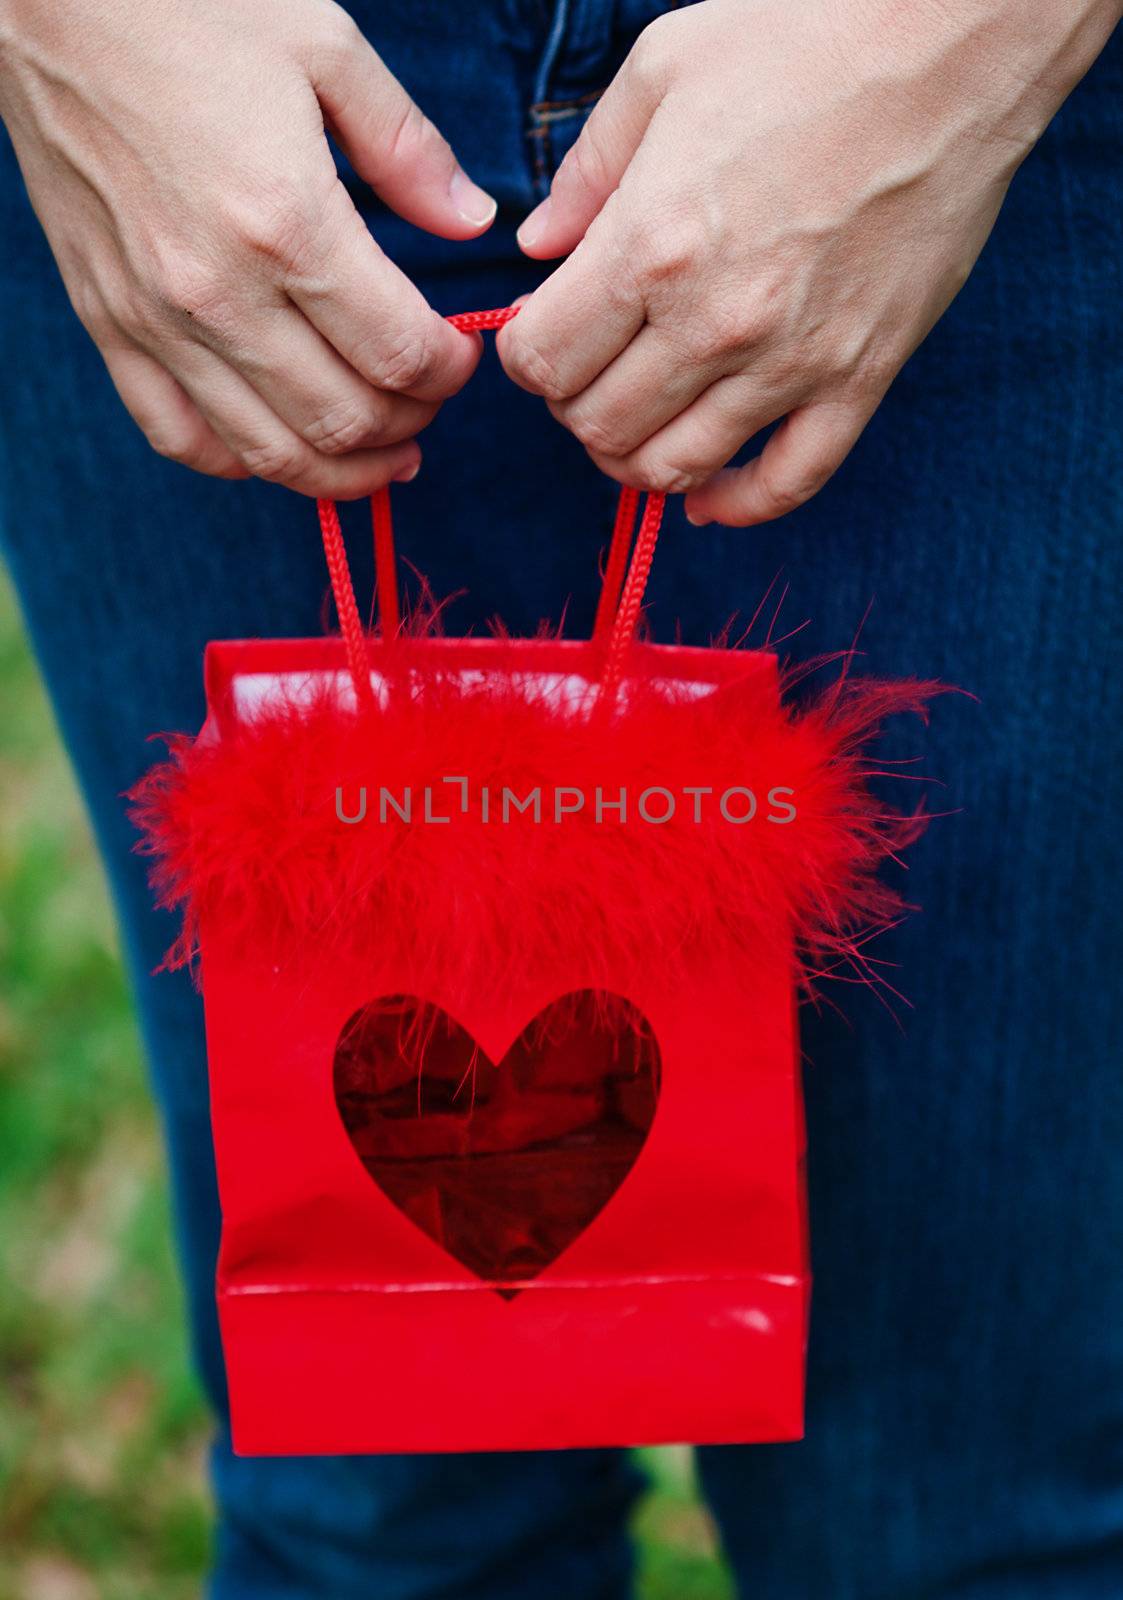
[
  {"x": 166, "y": 414},
  {"x": 687, "y": 452},
  {"x": 594, "y": 165},
  {"x": 646, "y": 387},
  {"x": 372, "y": 315},
  {"x": 309, "y": 386},
  {"x": 268, "y": 448},
  {"x": 575, "y": 323},
  {"x": 805, "y": 450},
  {"x": 393, "y": 146}
]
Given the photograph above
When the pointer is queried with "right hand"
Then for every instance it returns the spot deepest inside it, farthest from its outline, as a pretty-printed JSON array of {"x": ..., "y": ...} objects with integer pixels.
[{"x": 176, "y": 157}]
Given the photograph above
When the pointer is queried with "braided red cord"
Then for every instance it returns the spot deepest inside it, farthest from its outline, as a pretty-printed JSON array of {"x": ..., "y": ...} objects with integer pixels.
[
  {"x": 476, "y": 321},
  {"x": 385, "y": 566},
  {"x": 627, "y": 617},
  {"x": 621, "y": 610},
  {"x": 617, "y": 564},
  {"x": 342, "y": 588}
]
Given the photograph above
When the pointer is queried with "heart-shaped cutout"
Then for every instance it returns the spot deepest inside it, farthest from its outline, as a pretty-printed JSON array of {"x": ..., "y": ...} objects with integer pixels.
[{"x": 502, "y": 1164}]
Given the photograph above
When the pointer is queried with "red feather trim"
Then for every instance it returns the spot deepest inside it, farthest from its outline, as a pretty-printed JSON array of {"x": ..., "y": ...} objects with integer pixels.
[{"x": 246, "y": 827}]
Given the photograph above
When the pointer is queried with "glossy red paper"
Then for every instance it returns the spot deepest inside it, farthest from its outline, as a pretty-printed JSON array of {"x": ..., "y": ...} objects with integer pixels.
[{"x": 554, "y": 1217}]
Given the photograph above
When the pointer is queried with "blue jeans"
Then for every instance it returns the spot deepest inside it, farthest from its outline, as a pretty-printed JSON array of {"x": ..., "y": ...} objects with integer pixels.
[{"x": 965, "y": 1433}]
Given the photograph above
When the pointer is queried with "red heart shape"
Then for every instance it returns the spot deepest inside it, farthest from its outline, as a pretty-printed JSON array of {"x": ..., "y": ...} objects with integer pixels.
[{"x": 502, "y": 1164}]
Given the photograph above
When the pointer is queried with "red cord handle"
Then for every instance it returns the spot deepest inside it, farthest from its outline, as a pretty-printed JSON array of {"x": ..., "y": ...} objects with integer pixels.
[{"x": 621, "y": 593}]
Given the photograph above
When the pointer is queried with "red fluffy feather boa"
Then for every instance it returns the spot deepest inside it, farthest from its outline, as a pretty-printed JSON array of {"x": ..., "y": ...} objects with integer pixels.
[{"x": 247, "y": 827}]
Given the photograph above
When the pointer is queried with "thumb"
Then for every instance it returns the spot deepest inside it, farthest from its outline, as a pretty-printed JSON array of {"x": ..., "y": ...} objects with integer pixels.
[
  {"x": 594, "y": 166},
  {"x": 394, "y": 147}
]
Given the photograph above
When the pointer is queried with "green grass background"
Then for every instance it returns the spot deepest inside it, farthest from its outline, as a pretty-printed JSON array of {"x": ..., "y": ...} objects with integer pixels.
[{"x": 103, "y": 1432}]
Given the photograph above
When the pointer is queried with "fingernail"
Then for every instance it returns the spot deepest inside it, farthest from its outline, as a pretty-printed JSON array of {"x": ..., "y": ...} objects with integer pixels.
[
  {"x": 474, "y": 204},
  {"x": 698, "y": 520},
  {"x": 407, "y": 474},
  {"x": 534, "y": 226}
]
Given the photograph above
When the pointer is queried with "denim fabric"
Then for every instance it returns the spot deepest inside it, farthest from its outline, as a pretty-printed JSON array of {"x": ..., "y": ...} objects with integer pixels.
[{"x": 965, "y": 1431}]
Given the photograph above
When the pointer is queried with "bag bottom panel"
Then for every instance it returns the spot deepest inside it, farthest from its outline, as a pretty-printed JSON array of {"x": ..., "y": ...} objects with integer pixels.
[{"x": 710, "y": 1361}]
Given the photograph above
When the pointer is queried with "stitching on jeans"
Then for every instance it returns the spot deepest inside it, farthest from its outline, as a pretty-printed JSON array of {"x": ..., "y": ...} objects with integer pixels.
[
  {"x": 561, "y": 115},
  {"x": 544, "y": 113},
  {"x": 540, "y": 139},
  {"x": 547, "y": 108}
]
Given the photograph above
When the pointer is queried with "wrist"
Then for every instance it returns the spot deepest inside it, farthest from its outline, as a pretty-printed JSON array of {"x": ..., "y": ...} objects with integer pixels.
[{"x": 1001, "y": 67}]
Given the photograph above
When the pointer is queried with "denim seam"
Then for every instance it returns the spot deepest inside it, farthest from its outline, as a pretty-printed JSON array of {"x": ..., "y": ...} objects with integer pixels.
[{"x": 544, "y": 114}]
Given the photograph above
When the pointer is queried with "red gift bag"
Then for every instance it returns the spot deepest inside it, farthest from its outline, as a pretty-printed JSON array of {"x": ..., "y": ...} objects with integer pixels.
[{"x": 500, "y": 942}]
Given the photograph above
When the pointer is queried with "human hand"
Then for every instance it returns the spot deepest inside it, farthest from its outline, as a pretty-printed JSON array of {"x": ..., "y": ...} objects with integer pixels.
[
  {"x": 177, "y": 160},
  {"x": 768, "y": 210}
]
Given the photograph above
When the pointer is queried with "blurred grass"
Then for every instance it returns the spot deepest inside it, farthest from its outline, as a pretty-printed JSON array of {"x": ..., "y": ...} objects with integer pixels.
[{"x": 102, "y": 1429}]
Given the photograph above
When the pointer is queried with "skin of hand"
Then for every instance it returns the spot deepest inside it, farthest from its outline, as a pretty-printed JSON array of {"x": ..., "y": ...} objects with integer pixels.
[
  {"x": 767, "y": 211},
  {"x": 176, "y": 156}
]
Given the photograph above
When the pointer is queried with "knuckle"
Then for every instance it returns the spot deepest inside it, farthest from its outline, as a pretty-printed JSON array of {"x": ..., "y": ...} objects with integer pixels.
[
  {"x": 406, "y": 360},
  {"x": 532, "y": 368},
  {"x": 275, "y": 222},
  {"x": 276, "y": 460},
  {"x": 89, "y": 307},
  {"x": 784, "y": 492},
  {"x": 603, "y": 435},
  {"x": 871, "y": 372},
  {"x": 840, "y": 357},
  {"x": 181, "y": 287},
  {"x": 172, "y": 443},
  {"x": 672, "y": 252},
  {"x": 790, "y": 373},
  {"x": 659, "y": 476},
  {"x": 653, "y": 51},
  {"x": 780, "y": 498},
  {"x": 344, "y": 427},
  {"x": 734, "y": 327},
  {"x": 102, "y": 328},
  {"x": 339, "y": 35},
  {"x": 135, "y": 313}
]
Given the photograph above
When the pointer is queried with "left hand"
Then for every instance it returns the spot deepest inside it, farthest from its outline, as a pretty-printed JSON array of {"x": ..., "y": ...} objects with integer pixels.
[{"x": 767, "y": 211}]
